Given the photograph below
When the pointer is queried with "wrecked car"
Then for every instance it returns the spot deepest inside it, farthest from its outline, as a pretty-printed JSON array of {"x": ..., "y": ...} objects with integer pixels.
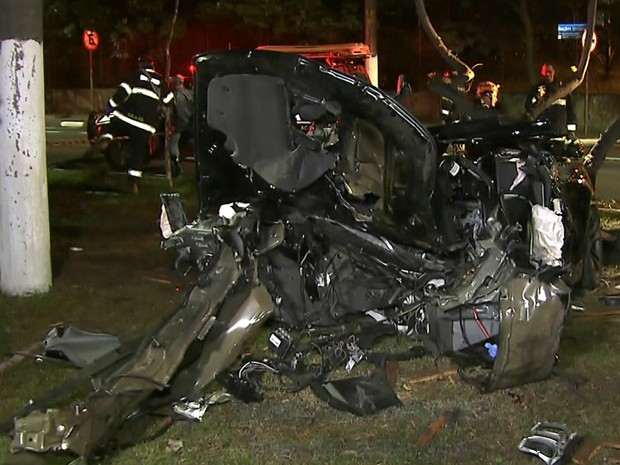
[{"x": 328, "y": 209}]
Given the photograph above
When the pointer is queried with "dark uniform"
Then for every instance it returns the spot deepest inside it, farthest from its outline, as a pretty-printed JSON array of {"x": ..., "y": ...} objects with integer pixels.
[
  {"x": 182, "y": 113},
  {"x": 561, "y": 114},
  {"x": 135, "y": 111}
]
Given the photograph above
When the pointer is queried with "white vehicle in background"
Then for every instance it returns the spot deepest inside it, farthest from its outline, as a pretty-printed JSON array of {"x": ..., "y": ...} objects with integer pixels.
[
  {"x": 65, "y": 137},
  {"x": 349, "y": 58}
]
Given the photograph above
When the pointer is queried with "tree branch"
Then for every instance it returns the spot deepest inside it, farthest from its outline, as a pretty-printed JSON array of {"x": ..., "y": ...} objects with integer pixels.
[{"x": 465, "y": 73}]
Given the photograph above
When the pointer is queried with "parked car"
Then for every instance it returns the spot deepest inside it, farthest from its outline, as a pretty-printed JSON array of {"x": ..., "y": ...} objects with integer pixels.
[{"x": 327, "y": 208}]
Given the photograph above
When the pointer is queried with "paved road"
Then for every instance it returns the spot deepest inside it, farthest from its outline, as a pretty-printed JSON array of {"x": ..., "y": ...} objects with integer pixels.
[{"x": 608, "y": 179}]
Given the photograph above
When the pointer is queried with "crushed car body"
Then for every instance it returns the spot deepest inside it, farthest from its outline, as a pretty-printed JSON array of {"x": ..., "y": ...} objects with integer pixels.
[{"x": 328, "y": 209}]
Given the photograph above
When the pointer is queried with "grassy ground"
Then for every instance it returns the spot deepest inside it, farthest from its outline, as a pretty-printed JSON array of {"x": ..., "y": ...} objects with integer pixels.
[{"x": 111, "y": 276}]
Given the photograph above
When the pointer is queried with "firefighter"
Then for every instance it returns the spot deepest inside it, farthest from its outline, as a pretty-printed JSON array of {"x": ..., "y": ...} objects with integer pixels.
[
  {"x": 487, "y": 95},
  {"x": 561, "y": 114},
  {"x": 135, "y": 110}
]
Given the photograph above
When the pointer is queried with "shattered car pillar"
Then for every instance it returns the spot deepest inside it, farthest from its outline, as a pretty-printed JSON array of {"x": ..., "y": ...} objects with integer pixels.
[
  {"x": 84, "y": 428},
  {"x": 533, "y": 313}
]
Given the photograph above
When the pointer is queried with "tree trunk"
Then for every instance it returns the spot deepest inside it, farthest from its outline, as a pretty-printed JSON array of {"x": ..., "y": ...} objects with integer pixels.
[
  {"x": 524, "y": 14},
  {"x": 168, "y": 124},
  {"x": 25, "y": 262}
]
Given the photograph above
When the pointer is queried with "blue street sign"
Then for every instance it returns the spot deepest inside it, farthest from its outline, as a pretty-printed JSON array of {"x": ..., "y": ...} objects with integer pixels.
[{"x": 570, "y": 30}]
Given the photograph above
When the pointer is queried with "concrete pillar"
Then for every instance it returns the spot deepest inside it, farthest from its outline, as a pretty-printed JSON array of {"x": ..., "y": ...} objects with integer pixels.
[{"x": 25, "y": 262}]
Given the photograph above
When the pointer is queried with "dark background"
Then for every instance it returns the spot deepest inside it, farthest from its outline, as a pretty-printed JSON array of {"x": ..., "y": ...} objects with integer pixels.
[{"x": 489, "y": 32}]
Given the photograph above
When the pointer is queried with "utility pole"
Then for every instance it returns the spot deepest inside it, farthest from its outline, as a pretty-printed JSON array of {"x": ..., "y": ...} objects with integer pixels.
[
  {"x": 370, "y": 37},
  {"x": 25, "y": 262}
]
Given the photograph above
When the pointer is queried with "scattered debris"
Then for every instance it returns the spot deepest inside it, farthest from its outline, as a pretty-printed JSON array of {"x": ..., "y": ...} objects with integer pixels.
[
  {"x": 31, "y": 350},
  {"x": 195, "y": 410},
  {"x": 158, "y": 280},
  {"x": 110, "y": 193},
  {"x": 447, "y": 417},
  {"x": 553, "y": 443},
  {"x": 590, "y": 447},
  {"x": 80, "y": 347},
  {"x": 435, "y": 375},
  {"x": 174, "y": 445}
]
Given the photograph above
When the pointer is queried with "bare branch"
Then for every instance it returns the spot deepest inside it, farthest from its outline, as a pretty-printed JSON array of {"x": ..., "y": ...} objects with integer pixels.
[
  {"x": 465, "y": 73},
  {"x": 577, "y": 79}
]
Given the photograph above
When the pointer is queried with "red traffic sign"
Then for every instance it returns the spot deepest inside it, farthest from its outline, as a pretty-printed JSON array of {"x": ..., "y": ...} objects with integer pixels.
[{"x": 90, "y": 39}]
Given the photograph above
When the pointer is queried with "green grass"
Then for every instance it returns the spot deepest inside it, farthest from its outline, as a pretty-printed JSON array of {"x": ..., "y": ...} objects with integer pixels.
[{"x": 117, "y": 283}]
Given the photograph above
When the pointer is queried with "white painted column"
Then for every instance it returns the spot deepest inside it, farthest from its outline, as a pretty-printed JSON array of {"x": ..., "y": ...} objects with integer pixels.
[{"x": 25, "y": 262}]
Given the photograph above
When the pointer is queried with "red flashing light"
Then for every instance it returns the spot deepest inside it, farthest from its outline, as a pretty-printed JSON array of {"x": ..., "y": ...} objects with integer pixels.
[{"x": 192, "y": 68}]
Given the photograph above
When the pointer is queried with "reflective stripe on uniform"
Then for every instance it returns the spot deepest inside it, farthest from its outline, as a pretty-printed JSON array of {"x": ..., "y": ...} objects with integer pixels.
[
  {"x": 135, "y": 173},
  {"x": 560, "y": 101},
  {"x": 127, "y": 88},
  {"x": 133, "y": 122},
  {"x": 571, "y": 127},
  {"x": 147, "y": 92},
  {"x": 155, "y": 81},
  {"x": 168, "y": 98}
]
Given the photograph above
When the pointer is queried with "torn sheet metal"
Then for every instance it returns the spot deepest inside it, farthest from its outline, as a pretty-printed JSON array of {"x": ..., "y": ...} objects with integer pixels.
[
  {"x": 532, "y": 316},
  {"x": 90, "y": 425},
  {"x": 80, "y": 347},
  {"x": 195, "y": 409},
  {"x": 553, "y": 443},
  {"x": 43, "y": 431},
  {"x": 361, "y": 396}
]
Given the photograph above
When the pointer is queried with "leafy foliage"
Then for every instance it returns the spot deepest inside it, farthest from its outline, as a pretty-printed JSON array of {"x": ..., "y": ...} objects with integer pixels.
[
  {"x": 312, "y": 21},
  {"x": 120, "y": 20}
]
